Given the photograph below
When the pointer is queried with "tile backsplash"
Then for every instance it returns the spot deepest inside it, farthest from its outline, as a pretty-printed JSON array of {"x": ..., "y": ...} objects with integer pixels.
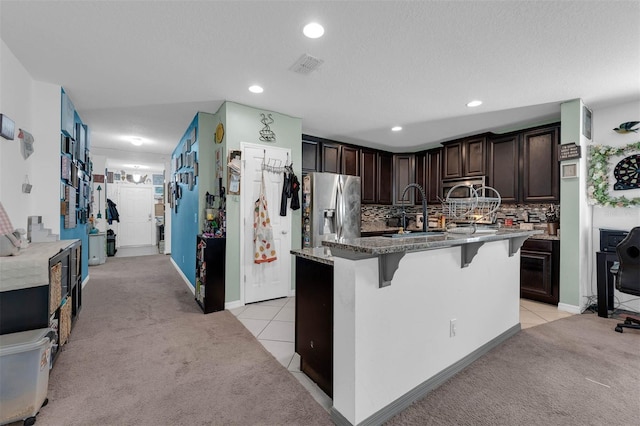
[{"x": 376, "y": 215}]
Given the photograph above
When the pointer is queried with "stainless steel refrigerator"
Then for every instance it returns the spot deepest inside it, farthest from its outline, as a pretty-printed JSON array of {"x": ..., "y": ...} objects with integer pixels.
[{"x": 331, "y": 208}]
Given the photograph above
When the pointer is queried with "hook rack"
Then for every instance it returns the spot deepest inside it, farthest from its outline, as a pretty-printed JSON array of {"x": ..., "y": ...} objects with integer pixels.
[{"x": 274, "y": 165}]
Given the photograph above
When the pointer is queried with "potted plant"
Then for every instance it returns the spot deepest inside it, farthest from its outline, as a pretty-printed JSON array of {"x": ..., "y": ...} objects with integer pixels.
[{"x": 553, "y": 220}]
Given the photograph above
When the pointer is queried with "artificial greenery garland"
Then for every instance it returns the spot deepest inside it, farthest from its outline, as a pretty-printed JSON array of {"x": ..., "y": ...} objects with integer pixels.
[{"x": 598, "y": 180}]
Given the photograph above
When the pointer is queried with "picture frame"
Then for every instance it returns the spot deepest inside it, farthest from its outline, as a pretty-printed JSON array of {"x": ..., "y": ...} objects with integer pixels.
[
  {"x": 7, "y": 127},
  {"x": 599, "y": 185},
  {"x": 586, "y": 122},
  {"x": 570, "y": 170}
]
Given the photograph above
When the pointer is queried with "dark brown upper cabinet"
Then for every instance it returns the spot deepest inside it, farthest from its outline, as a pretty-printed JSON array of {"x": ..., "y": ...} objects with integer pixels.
[
  {"x": 452, "y": 161},
  {"x": 540, "y": 171},
  {"x": 331, "y": 157},
  {"x": 404, "y": 174},
  {"x": 464, "y": 157},
  {"x": 324, "y": 155},
  {"x": 523, "y": 166},
  {"x": 369, "y": 176},
  {"x": 376, "y": 176},
  {"x": 504, "y": 169},
  {"x": 429, "y": 175},
  {"x": 310, "y": 156},
  {"x": 433, "y": 184},
  {"x": 350, "y": 161},
  {"x": 385, "y": 178}
]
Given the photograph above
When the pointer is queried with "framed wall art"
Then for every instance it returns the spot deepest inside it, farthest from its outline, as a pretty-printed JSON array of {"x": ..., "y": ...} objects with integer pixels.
[{"x": 605, "y": 171}]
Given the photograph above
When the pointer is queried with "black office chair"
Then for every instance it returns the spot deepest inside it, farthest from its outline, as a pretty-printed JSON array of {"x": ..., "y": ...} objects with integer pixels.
[{"x": 626, "y": 272}]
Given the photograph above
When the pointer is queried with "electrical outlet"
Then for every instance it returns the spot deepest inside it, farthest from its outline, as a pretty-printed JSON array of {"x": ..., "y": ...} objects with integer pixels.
[{"x": 453, "y": 327}]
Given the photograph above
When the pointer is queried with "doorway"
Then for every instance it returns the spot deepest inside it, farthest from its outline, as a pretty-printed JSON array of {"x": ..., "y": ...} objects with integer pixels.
[
  {"x": 270, "y": 280},
  {"x": 135, "y": 207}
]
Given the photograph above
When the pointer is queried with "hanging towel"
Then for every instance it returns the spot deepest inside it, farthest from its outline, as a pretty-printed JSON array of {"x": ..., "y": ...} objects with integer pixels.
[{"x": 264, "y": 250}]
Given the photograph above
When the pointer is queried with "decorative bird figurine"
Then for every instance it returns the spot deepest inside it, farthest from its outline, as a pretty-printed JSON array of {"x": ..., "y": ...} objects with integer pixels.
[{"x": 627, "y": 127}]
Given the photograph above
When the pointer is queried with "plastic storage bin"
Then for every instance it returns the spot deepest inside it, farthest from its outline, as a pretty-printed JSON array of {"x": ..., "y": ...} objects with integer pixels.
[{"x": 24, "y": 374}]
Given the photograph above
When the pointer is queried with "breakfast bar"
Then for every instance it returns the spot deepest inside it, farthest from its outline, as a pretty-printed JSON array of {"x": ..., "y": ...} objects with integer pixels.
[{"x": 411, "y": 311}]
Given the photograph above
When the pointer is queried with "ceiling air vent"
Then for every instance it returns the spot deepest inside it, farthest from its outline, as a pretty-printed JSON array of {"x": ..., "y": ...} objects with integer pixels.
[{"x": 306, "y": 64}]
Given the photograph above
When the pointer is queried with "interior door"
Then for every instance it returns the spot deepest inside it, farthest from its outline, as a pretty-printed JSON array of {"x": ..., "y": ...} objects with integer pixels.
[
  {"x": 136, "y": 216},
  {"x": 270, "y": 280}
]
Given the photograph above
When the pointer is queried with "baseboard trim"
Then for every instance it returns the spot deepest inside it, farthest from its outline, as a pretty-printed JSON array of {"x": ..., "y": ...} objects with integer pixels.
[
  {"x": 569, "y": 308},
  {"x": 85, "y": 281},
  {"x": 233, "y": 305},
  {"x": 423, "y": 389},
  {"x": 184, "y": 277}
]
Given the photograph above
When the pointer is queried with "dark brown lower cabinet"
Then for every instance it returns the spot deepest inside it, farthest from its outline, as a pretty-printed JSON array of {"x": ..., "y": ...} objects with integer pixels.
[
  {"x": 540, "y": 270},
  {"x": 314, "y": 321}
]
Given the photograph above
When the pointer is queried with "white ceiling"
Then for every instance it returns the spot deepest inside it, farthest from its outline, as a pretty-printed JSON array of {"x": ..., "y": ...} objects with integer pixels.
[{"x": 144, "y": 68}]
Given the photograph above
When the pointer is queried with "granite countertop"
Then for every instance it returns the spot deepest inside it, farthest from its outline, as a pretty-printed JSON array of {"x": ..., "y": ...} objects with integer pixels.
[
  {"x": 317, "y": 254},
  {"x": 385, "y": 245},
  {"x": 545, "y": 237}
]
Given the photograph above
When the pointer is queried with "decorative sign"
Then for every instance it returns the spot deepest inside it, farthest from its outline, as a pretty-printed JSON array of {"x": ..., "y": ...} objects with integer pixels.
[
  {"x": 569, "y": 151},
  {"x": 266, "y": 134},
  {"x": 98, "y": 178}
]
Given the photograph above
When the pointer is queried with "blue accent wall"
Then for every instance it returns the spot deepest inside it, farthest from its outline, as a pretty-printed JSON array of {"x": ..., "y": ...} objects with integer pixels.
[
  {"x": 185, "y": 223},
  {"x": 80, "y": 232}
]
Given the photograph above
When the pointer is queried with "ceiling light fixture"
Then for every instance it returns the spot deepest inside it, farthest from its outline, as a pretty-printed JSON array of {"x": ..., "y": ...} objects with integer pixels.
[
  {"x": 474, "y": 104},
  {"x": 256, "y": 89},
  {"x": 136, "y": 141},
  {"x": 396, "y": 128},
  {"x": 313, "y": 30}
]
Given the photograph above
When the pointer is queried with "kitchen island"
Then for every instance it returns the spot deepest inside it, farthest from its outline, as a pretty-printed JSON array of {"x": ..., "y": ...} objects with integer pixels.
[{"x": 411, "y": 312}]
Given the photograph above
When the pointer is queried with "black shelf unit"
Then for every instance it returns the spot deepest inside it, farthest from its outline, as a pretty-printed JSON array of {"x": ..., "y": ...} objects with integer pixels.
[{"x": 210, "y": 273}]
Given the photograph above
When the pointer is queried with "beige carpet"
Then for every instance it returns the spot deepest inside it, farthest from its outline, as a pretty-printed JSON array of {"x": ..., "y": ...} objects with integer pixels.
[
  {"x": 143, "y": 353},
  {"x": 573, "y": 371}
]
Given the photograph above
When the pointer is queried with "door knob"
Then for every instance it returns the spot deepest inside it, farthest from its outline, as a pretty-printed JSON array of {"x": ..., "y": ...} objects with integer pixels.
[{"x": 284, "y": 232}]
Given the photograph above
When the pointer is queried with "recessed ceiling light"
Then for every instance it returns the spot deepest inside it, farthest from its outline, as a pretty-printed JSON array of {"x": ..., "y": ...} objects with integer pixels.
[
  {"x": 256, "y": 89},
  {"x": 396, "y": 128},
  {"x": 474, "y": 104},
  {"x": 313, "y": 30}
]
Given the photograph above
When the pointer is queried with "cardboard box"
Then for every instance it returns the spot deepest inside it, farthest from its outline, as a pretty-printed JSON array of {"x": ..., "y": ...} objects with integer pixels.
[{"x": 159, "y": 209}]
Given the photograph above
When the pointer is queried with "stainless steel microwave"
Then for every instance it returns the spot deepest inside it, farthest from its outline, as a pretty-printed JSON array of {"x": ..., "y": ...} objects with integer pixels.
[{"x": 460, "y": 188}]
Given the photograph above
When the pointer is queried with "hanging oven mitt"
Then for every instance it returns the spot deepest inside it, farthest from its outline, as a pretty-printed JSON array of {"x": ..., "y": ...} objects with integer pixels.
[{"x": 264, "y": 250}]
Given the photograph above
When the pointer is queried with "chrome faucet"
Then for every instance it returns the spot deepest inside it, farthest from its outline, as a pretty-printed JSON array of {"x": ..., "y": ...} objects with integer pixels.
[{"x": 424, "y": 204}]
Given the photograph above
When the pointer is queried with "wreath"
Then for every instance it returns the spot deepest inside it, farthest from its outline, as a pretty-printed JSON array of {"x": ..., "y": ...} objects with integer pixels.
[{"x": 598, "y": 180}]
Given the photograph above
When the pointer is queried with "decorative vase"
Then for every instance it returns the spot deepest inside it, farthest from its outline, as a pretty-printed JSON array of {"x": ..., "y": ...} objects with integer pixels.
[{"x": 552, "y": 228}]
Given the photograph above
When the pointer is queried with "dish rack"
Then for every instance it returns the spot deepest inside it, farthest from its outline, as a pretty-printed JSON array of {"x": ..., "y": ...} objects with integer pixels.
[{"x": 482, "y": 205}]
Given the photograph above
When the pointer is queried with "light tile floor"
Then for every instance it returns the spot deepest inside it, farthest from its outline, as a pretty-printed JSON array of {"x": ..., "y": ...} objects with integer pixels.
[{"x": 273, "y": 324}]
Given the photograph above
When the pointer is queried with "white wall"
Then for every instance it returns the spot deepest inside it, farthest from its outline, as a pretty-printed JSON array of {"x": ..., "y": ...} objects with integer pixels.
[
  {"x": 604, "y": 120},
  {"x": 35, "y": 107}
]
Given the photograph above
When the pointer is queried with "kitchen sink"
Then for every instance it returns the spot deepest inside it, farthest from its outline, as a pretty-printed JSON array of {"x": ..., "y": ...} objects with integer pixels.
[{"x": 414, "y": 234}]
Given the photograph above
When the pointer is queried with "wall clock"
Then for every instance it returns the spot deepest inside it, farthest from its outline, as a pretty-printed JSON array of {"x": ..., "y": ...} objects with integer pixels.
[{"x": 219, "y": 133}]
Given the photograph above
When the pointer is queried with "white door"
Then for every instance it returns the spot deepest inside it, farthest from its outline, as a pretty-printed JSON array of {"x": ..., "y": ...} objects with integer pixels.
[
  {"x": 136, "y": 216},
  {"x": 270, "y": 280}
]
